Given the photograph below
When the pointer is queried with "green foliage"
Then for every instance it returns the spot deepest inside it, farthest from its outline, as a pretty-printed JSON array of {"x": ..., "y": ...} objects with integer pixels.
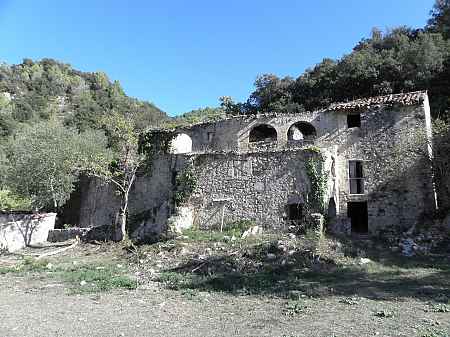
[
  {"x": 318, "y": 182},
  {"x": 294, "y": 308},
  {"x": 440, "y": 18},
  {"x": 10, "y": 201},
  {"x": 45, "y": 160},
  {"x": 186, "y": 182},
  {"x": 237, "y": 228},
  {"x": 152, "y": 142},
  {"x": 45, "y": 88},
  {"x": 201, "y": 115}
]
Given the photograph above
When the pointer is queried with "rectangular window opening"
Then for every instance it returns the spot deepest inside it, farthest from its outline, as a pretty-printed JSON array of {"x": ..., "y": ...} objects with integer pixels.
[
  {"x": 356, "y": 176},
  {"x": 354, "y": 120},
  {"x": 357, "y": 212}
]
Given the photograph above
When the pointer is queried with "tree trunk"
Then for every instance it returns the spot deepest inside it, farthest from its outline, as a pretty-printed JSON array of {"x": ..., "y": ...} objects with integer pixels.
[{"x": 120, "y": 230}]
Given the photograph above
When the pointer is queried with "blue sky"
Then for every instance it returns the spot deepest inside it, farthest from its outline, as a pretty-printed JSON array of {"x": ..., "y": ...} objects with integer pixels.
[{"x": 182, "y": 55}]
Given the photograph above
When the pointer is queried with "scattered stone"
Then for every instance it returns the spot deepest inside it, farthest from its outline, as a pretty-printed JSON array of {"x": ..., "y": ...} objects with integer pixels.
[
  {"x": 253, "y": 231},
  {"x": 83, "y": 283}
]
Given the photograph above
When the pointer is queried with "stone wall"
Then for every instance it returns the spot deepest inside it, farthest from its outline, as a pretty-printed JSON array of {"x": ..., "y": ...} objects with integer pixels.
[
  {"x": 18, "y": 230},
  {"x": 255, "y": 181},
  {"x": 252, "y": 186},
  {"x": 149, "y": 204},
  {"x": 398, "y": 178}
]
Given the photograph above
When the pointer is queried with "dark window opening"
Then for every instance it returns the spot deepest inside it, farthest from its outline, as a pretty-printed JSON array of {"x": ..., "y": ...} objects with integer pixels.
[
  {"x": 210, "y": 136},
  {"x": 354, "y": 121},
  {"x": 294, "y": 212},
  {"x": 174, "y": 178},
  {"x": 263, "y": 133},
  {"x": 301, "y": 131},
  {"x": 356, "y": 177},
  {"x": 357, "y": 212}
]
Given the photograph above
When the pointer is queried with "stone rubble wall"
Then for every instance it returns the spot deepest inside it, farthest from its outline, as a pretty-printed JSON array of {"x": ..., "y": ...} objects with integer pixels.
[
  {"x": 398, "y": 179},
  {"x": 256, "y": 183},
  {"x": 250, "y": 186},
  {"x": 150, "y": 204}
]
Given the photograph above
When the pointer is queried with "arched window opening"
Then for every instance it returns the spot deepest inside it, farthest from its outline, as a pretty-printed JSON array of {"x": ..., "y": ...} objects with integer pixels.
[
  {"x": 182, "y": 143},
  {"x": 263, "y": 133},
  {"x": 301, "y": 131}
]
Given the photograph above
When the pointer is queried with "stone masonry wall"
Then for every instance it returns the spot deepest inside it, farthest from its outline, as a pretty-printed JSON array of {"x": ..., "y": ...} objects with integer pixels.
[
  {"x": 253, "y": 186},
  {"x": 398, "y": 180}
]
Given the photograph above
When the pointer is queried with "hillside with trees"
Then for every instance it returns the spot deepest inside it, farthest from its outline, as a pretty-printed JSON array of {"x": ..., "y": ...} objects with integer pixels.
[
  {"x": 34, "y": 91},
  {"x": 399, "y": 60}
]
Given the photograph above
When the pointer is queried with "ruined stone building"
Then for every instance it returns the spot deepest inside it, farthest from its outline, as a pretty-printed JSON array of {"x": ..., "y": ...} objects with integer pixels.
[{"x": 354, "y": 162}]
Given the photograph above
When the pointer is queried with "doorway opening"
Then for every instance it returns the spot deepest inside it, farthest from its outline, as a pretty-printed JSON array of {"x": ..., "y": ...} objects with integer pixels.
[
  {"x": 294, "y": 212},
  {"x": 357, "y": 212}
]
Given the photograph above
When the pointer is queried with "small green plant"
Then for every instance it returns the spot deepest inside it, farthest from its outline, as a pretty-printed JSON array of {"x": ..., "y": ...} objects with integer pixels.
[
  {"x": 174, "y": 281},
  {"x": 237, "y": 228},
  {"x": 294, "y": 308},
  {"x": 96, "y": 278},
  {"x": 441, "y": 307}
]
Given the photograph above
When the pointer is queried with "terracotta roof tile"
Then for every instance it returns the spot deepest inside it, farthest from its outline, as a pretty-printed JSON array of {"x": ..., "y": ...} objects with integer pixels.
[{"x": 410, "y": 98}]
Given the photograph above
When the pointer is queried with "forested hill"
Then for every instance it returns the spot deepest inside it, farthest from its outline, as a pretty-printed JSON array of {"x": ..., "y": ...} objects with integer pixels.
[{"x": 34, "y": 91}]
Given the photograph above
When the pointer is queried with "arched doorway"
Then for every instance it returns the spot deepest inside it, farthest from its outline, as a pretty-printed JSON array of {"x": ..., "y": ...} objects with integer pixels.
[
  {"x": 301, "y": 131},
  {"x": 263, "y": 133}
]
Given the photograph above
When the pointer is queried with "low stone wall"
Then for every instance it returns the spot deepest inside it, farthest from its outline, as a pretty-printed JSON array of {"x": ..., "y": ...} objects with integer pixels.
[
  {"x": 60, "y": 235},
  {"x": 18, "y": 230}
]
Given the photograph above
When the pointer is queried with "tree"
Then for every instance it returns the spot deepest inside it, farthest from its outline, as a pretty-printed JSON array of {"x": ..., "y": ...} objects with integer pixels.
[
  {"x": 440, "y": 18},
  {"x": 124, "y": 141},
  {"x": 45, "y": 160}
]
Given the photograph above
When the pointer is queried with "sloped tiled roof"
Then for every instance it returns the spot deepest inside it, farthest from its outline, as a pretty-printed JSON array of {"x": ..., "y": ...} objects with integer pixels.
[{"x": 410, "y": 98}]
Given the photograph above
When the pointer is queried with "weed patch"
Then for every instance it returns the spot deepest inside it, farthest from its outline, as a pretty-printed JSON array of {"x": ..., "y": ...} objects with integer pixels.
[{"x": 84, "y": 278}]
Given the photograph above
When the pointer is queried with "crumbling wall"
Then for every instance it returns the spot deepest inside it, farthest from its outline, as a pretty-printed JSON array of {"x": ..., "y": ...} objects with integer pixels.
[
  {"x": 252, "y": 186},
  {"x": 397, "y": 173},
  {"x": 148, "y": 197}
]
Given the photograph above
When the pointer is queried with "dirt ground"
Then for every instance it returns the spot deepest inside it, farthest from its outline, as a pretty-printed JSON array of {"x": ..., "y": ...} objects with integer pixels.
[{"x": 35, "y": 304}]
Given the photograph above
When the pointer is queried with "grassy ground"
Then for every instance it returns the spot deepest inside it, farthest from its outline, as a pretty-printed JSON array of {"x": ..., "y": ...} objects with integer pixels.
[
  {"x": 216, "y": 284},
  {"x": 80, "y": 275}
]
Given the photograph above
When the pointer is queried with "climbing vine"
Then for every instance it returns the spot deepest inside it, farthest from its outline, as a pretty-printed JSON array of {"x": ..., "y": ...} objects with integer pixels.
[
  {"x": 186, "y": 182},
  {"x": 318, "y": 181},
  {"x": 154, "y": 142}
]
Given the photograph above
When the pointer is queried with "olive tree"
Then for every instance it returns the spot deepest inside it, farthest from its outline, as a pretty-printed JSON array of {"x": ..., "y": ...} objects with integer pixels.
[
  {"x": 124, "y": 142},
  {"x": 45, "y": 160}
]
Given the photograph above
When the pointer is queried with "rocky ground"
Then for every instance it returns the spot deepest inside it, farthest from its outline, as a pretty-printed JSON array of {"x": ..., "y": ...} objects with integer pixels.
[{"x": 213, "y": 285}]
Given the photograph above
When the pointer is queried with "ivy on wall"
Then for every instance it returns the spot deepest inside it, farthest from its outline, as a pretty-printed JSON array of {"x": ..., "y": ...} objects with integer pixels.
[
  {"x": 154, "y": 142},
  {"x": 318, "y": 181},
  {"x": 186, "y": 182}
]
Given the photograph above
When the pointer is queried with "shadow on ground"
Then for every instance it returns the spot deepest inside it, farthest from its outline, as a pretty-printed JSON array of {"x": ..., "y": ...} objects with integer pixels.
[{"x": 274, "y": 270}]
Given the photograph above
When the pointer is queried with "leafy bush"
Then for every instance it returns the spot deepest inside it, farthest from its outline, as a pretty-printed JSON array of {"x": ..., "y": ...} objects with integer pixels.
[{"x": 13, "y": 202}]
